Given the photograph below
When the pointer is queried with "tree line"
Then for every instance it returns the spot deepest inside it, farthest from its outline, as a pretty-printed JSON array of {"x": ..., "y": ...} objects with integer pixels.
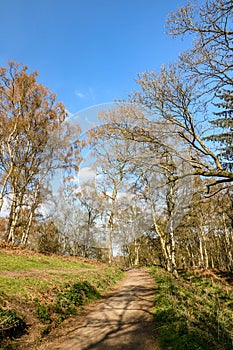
[{"x": 163, "y": 159}]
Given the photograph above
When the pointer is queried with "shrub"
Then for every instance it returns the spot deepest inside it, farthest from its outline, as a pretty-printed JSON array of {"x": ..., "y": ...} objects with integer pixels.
[{"x": 11, "y": 324}]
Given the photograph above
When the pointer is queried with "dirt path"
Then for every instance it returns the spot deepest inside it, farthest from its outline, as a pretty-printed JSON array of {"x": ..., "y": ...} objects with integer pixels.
[{"x": 120, "y": 321}]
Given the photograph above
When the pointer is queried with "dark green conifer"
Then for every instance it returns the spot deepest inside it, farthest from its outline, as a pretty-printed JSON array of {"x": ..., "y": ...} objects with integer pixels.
[{"x": 224, "y": 134}]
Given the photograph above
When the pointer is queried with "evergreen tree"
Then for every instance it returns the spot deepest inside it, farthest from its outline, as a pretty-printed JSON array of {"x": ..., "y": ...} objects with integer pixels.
[{"x": 224, "y": 123}]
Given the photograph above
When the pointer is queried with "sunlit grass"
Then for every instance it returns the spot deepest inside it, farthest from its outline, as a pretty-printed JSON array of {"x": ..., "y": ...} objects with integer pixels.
[
  {"x": 23, "y": 288},
  {"x": 50, "y": 288},
  {"x": 11, "y": 262}
]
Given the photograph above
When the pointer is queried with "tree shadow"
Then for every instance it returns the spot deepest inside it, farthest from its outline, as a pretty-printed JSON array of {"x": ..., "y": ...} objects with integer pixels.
[
  {"x": 128, "y": 333},
  {"x": 122, "y": 321}
]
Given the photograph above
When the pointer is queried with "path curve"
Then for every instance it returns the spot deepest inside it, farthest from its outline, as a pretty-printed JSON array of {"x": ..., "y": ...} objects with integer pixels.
[{"x": 120, "y": 321}]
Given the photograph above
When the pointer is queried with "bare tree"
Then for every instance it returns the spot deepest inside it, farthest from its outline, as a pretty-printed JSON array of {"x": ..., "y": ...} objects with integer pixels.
[
  {"x": 154, "y": 168},
  {"x": 184, "y": 93}
]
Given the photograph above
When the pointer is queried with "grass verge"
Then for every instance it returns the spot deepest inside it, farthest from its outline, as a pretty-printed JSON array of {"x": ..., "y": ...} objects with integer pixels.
[
  {"x": 37, "y": 293},
  {"x": 193, "y": 312}
]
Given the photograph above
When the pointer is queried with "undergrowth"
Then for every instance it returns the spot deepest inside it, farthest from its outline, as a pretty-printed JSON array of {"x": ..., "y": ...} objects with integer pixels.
[
  {"x": 192, "y": 312},
  {"x": 66, "y": 303},
  {"x": 10, "y": 323}
]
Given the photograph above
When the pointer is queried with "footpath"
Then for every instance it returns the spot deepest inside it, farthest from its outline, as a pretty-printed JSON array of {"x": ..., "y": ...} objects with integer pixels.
[{"x": 122, "y": 320}]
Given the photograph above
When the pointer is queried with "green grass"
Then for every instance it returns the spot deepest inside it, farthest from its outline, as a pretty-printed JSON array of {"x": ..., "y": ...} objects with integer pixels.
[
  {"x": 22, "y": 288},
  {"x": 51, "y": 289},
  {"x": 192, "y": 312},
  {"x": 10, "y": 262}
]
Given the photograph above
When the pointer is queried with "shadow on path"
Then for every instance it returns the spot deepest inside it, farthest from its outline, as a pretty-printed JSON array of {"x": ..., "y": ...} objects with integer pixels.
[{"x": 121, "y": 321}]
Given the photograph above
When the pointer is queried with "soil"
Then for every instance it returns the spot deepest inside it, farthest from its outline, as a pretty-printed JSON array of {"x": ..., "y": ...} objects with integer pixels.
[{"x": 122, "y": 320}]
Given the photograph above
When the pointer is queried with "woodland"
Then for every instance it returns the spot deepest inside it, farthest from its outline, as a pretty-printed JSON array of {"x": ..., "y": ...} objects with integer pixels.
[{"x": 163, "y": 160}]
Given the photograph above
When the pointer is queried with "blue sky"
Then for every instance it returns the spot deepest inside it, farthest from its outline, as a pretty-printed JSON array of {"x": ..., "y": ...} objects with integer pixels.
[{"x": 87, "y": 51}]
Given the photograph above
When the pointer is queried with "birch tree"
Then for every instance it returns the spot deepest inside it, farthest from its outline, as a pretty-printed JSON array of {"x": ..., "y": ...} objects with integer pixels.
[
  {"x": 32, "y": 123},
  {"x": 112, "y": 181},
  {"x": 154, "y": 168}
]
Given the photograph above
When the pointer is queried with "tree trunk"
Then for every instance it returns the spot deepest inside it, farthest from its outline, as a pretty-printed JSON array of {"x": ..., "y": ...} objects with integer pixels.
[
  {"x": 110, "y": 235},
  {"x": 204, "y": 259},
  {"x": 14, "y": 215},
  {"x": 13, "y": 219},
  {"x": 4, "y": 185},
  {"x": 26, "y": 230},
  {"x": 161, "y": 235},
  {"x": 172, "y": 248},
  {"x": 136, "y": 252},
  {"x": 228, "y": 243}
]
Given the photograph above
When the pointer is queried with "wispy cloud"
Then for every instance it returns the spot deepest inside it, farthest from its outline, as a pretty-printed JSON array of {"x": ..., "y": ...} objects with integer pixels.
[
  {"x": 79, "y": 94},
  {"x": 88, "y": 95}
]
